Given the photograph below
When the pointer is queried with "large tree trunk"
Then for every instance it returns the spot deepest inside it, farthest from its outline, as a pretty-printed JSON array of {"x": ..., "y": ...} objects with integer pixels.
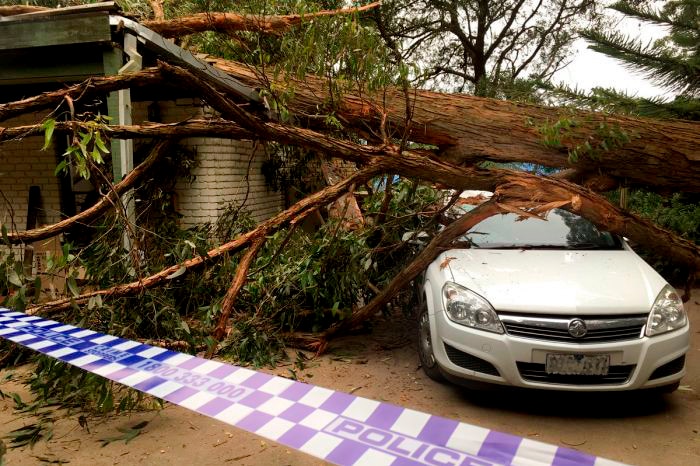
[{"x": 660, "y": 154}]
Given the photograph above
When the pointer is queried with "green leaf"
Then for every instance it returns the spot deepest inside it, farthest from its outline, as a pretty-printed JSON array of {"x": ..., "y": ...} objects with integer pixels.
[
  {"x": 73, "y": 287},
  {"x": 177, "y": 273},
  {"x": 100, "y": 144},
  {"x": 48, "y": 127},
  {"x": 60, "y": 167},
  {"x": 5, "y": 237},
  {"x": 14, "y": 278}
]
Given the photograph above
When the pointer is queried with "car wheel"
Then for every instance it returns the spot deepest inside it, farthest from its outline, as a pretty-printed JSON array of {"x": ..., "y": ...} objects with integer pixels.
[{"x": 425, "y": 346}]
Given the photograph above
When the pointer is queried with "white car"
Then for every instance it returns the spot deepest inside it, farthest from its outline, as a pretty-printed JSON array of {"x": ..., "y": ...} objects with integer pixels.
[{"x": 552, "y": 304}]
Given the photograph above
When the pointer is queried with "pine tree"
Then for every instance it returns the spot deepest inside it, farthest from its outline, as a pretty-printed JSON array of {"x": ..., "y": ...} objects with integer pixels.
[{"x": 673, "y": 61}]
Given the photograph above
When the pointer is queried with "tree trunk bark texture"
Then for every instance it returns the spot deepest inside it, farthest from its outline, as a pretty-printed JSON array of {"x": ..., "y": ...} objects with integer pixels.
[
  {"x": 235, "y": 22},
  {"x": 660, "y": 154}
]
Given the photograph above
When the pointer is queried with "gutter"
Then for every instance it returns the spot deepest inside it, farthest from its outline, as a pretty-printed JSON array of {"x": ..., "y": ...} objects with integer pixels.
[{"x": 158, "y": 44}]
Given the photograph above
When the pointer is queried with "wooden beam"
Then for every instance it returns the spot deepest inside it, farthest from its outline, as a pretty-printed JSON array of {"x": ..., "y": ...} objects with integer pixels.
[{"x": 78, "y": 29}]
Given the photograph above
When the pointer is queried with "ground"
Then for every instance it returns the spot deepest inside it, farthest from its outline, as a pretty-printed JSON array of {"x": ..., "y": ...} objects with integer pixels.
[{"x": 383, "y": 365}]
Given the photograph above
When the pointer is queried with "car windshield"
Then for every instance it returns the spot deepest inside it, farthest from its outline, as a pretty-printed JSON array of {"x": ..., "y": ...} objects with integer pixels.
[{"x": 561, "y": 230}]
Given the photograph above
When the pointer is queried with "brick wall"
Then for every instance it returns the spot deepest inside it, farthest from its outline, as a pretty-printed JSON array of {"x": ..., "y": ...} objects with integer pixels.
[
  {"x": 24, "y": 164},
  {"x": 222, "y": 174}
]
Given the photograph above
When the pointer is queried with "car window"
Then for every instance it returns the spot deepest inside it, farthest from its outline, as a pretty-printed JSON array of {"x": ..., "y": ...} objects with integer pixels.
[{"x": 562, "y": 229}]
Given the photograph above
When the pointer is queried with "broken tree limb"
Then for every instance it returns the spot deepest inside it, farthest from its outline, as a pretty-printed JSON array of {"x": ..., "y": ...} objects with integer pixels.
[
  {"x": 190, "y": 128},
  {"x": 87, "y": 88},
  {"x": 235, "y": 22},
  {"x": 660, "y": 154},
  {"x": 420, "y": 165},
  {"x": 105, "y": 203},
  {"x": 239, "y": 280},
  {"x": 157, "y": 7},
  {"x": 273, "y": 224},
  {"x": 12, "y": 10}
]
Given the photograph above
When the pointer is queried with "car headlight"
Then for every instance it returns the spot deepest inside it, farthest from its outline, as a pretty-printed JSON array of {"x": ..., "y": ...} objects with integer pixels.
[
  {"x": 667, "y": 313},
  {"x": 468, "y": 308}
]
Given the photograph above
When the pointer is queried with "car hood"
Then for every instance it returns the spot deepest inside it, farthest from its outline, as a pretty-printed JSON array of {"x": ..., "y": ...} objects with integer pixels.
[{"x": 558, "y": 281}]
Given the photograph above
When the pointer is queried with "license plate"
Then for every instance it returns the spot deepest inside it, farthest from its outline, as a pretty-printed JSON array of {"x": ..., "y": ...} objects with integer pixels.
[{"x": 578, "y": 364}]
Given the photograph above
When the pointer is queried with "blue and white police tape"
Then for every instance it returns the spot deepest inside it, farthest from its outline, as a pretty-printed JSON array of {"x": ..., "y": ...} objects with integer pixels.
[{"x": 334, "y": 426}]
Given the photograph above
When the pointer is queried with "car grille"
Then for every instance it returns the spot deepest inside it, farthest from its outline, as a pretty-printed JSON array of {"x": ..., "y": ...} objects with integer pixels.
[
  {"x": 534, "y": 372},
  {"x": 467, "y": 361},
  {"x": 670, "y": 368},
  {"x": 599, "y": 329}
]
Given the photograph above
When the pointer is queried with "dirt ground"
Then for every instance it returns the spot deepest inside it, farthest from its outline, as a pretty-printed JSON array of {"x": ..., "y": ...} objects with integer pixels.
[{"x": 383, "y": 365}]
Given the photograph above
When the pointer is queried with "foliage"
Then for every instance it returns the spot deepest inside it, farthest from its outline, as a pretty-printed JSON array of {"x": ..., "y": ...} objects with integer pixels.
[
  {"x": 673, "y": 61},
  {"x": 678, "y": 212},
  {"x": 562, "y": 135},
  {"x": 86, "y": 148},
  {"x": 318, "y": 277}
]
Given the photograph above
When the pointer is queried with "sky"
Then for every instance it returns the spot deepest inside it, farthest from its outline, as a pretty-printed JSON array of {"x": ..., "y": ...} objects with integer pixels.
[{"x": 590, "y": 69}]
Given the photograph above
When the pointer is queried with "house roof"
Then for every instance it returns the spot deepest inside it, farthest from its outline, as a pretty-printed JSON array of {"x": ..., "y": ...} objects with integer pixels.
[{"x": 71, "y": 44}]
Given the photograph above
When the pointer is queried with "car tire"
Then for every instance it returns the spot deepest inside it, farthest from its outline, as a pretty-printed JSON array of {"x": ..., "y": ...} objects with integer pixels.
[{"x": 425, "y": 346}]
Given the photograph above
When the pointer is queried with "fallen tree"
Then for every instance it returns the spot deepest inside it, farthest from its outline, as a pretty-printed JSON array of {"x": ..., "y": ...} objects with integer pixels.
[
  {"x": 657, "y": 154},
  {"x": 464, "y": 129},
  {"x": 522, "y": 190},
  {"x": 467, "y": 129},
  {"x": 515, "y": 191},
  {"x": 392, "y": 159}
]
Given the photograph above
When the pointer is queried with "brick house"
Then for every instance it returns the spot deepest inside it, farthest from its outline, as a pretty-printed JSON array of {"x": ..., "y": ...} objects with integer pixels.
[{"x": 48, "y": 50}]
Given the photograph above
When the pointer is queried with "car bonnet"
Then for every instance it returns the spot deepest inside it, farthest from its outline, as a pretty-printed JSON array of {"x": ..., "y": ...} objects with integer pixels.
[{"x": 599, "y": 282}]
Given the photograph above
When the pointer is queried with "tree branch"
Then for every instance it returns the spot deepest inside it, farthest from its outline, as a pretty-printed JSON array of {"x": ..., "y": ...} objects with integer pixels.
[
  {"x": 104, "y": 204},
  {"x": 271, "y": 225},
  {"x": 234, "y": 22}
]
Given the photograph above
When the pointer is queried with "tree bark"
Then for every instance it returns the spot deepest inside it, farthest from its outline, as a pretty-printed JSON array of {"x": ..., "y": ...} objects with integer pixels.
[
  {"x": 235, "y": 22},
  {"x": 12, "y": 10},
  {"x": 271, "y": 225},
  {"x": 190, "y": 128},
  {"x": 661, "y": 154},
  {"x": 238, "y": 281}
]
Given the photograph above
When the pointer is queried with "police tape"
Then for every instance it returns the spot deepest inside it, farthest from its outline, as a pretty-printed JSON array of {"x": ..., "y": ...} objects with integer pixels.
[{"x": 337, "y": 427}]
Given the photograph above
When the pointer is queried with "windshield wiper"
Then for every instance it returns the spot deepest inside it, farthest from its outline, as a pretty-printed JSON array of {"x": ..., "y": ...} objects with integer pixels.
[{"x": 591, "y": 246}]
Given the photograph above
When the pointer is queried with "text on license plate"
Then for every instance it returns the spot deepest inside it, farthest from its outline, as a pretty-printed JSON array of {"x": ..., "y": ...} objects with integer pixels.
[{"x": 578, "y": 364}]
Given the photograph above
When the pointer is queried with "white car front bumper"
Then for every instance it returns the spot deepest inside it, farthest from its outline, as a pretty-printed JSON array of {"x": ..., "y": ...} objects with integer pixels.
[{"x": 520, "y": 361}]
